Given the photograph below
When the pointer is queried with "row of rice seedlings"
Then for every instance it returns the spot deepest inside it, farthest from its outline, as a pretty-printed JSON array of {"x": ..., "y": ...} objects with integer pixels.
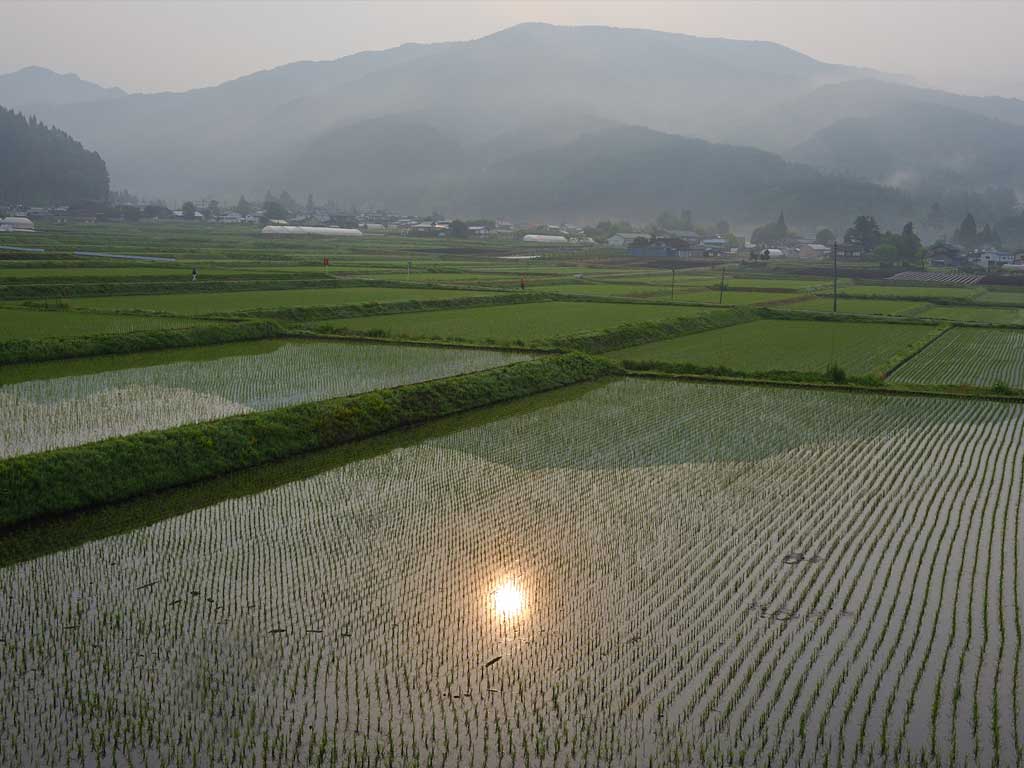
[
  {"x": 879, "y": 631},
  {"x": 52, "y": 413},
  {"x": 893, "y": 491},
  {"x": 977, "y": 356},
  {"x": 871, "y": 496},
  {"x": 917, "y": 605},
  {"x": 352, "y": 618}
]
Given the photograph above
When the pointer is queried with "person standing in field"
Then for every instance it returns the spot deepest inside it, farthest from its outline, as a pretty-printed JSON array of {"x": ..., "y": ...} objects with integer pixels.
[
  {"x": 522, "y": 282},
  {"x": 195, "y": 274}
]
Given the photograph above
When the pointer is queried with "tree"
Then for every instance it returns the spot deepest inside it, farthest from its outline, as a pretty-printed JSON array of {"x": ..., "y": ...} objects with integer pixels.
[
  {"x": 156, "y": 211},
  {"x": 909, "y": 244},
  {"x": 722, "y": 228},
  {"x": 274, "y": 210},
  {"x": 213, "y": 209},
  {"x": 825, "y": 237},
  {"x": 668, "y": 221},
  {"x": 244, "y": 207},
  {"x": 458, "y": 228},
  {"x": 310, "y": 205},
  {"x": 887, "y": 254},
  {"x": 771, "y": 234},
  {"x": 985, "y": 237},
  {"x": 967, "y": 233},
  {"x": 864, "y": 232},
  {"x": 287, "y": 201},
  {"x": 188, "y": 210}
]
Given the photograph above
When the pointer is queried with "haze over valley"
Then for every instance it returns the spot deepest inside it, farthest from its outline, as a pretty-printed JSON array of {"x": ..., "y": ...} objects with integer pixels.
[{"x": 542, "y": 122}]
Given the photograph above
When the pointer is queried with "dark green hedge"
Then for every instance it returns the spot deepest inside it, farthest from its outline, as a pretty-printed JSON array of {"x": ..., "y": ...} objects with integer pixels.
[
  {"x": 122, "y": 467},
  {"x": 37, "y": 350}
]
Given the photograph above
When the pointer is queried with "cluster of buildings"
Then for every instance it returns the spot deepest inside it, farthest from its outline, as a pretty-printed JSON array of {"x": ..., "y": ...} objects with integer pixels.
[
  {"x": 671, "y": 244},
  {"x": 989, "y": 258}
]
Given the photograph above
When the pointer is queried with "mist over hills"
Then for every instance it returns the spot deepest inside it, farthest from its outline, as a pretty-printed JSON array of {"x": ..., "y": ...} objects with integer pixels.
[{"x": 539, "y": 121}]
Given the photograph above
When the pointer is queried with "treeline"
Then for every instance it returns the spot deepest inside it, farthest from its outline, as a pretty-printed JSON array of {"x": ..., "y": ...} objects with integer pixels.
[{"x": 40, "y": 165}]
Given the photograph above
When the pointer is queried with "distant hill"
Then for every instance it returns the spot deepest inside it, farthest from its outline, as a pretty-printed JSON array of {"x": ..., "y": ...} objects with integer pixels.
[
  {"x": 635, "y": 171},
  {"x": 629, "y": 170},
  {"x": 40, "y": 165},
  {"x": 229, "y": 138},
  {"x": 416, "y": 126},
  {"x": 40, "y": 87},
  {"x": 920, "y": 145}
]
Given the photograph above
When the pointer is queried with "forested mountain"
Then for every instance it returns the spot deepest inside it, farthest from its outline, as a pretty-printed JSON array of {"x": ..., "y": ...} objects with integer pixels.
[
  {"x": 41, "y": 165},
  {"x": 418, "y": 126}
]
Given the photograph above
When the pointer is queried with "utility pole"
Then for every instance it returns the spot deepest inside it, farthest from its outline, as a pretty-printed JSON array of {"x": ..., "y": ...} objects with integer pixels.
[
  {"x": 835, "y": 275},
  {"x": 673, "y": 295},
  {"x": 721, "y": 287}
]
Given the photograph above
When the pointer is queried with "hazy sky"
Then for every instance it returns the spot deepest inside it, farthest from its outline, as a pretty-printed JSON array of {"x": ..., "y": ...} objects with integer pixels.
[{"x": 146, "y": 46}]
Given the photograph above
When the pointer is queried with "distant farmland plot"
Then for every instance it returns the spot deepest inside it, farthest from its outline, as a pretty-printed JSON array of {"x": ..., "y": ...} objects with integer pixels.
[
  {"x": 238, "y": 301},
  {"x": 57, "y": 412},
  {"x": 527, "y": 322},
  {"x": 1002, "y": 297},
  {"x": 790, "y": 345},
  {"x": 977, "y": 356},
  {"x": 653, "y": 573},
  {"x": 40, "y": 324},
  {"x": 915, "y": 291},
  {"x": 861, "y": 306},
  {"x": 996, "y": 315},
  {"x": 618, "y": 290},
  {"x": 741, "y": 298}
]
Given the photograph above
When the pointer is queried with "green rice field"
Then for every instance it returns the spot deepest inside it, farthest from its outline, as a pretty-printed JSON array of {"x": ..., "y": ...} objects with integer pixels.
[
  {"x": 645, "y": 573},
  {"x": 16, "y": 324},
  {"x": 790, "y": 345},
  {"x": 996, "y": 315},
  {"x": 777, "y": 543},
  {"x": 862, "y": 306},
  {"x": 980, "y": 357}
]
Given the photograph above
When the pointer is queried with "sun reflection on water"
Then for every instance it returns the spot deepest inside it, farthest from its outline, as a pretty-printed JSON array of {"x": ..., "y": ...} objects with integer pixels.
[{"x": 508, "y": 600}]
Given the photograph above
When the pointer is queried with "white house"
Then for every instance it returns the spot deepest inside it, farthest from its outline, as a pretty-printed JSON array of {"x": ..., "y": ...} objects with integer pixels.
[
  {"x": 551, "y": 239},
  {"x": 623, "y": 239},
  {"x": 814, "y": 251}
]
